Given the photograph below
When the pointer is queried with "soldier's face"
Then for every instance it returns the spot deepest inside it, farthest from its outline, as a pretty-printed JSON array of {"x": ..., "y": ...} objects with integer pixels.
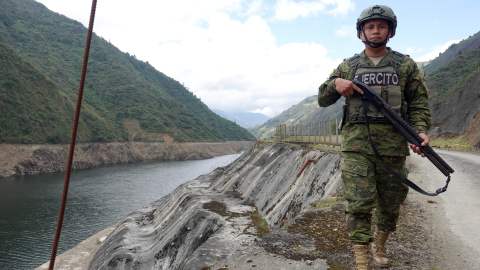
[{"x": 375, "y": 30}]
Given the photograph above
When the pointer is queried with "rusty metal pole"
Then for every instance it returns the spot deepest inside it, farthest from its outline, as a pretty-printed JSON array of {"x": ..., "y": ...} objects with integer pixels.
[{"x": 74, "y": 136}]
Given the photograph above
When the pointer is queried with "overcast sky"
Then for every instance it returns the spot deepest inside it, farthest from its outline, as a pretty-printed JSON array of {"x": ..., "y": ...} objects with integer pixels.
[{"x": 263, "y": 55}]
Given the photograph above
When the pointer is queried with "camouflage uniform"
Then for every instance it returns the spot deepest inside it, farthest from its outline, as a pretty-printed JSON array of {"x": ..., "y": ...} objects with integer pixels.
[{"x": 366, "y": 180}]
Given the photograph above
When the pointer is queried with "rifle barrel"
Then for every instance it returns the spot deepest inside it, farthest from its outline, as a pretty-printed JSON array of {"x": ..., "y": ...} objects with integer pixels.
[{"x": 403, "y": 128}]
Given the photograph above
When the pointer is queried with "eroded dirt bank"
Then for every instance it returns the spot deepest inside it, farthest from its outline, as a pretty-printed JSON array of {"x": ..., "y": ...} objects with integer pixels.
[{"x": 38, "y": 158}]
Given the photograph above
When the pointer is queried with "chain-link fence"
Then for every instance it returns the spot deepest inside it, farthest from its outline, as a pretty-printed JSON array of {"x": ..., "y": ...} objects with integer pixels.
[{"x": 325, "y": 132}]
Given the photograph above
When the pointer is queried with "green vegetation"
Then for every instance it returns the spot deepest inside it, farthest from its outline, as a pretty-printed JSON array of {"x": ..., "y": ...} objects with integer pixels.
[
  {"x": 124, "y": 98},
  {"x": 452, "y": 142},
  {"x": 260, "y": 224},
  {"x": 32, "y": 107},
  {"x": 329, "y": 203},
  {"x": 451, "y": 52},
  {"x": 457, "y": 73},
  {"x": 422, "y": 65}
]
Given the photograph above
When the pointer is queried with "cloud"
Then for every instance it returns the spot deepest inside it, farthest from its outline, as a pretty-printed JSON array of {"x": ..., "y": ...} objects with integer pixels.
[
  {"x": 256, "y": 7},
  {"x": 286, "y": 10},
  {"x": 231, "y": 64},
  {"x": 347, "y": 31},
  {"x": 435, "y": 51},
  {"x": 410, "y": 50}
]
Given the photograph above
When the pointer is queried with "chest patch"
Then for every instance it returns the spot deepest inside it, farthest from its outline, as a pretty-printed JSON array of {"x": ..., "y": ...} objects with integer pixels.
[{"x": 378, "y": 78}]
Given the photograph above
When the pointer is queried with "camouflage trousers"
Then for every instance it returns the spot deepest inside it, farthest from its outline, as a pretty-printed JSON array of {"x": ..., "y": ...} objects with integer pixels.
[{"x": 368, "y": 184}]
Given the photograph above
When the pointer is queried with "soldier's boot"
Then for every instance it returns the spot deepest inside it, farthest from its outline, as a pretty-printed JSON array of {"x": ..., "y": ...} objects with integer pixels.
[
  {"x": 362, "y": 257},
  {"x": 379, "y": 251}
]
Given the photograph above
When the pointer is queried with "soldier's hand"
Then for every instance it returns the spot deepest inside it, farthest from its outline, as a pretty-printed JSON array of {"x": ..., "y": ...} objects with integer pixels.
[
  {"x": 346, "y": 88},
  {"x": 425, "y": 142}
]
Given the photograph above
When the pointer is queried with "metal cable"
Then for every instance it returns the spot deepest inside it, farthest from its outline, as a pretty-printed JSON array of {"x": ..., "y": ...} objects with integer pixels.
[{"x": 73, "y": 138}]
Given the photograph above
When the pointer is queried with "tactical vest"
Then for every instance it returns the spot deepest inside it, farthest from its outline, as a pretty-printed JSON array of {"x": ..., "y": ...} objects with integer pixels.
[{"x": 384, "y": 79}]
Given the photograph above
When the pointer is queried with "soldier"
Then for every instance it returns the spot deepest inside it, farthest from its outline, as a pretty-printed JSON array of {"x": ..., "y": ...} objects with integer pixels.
[{"x": 366, "y": 180}]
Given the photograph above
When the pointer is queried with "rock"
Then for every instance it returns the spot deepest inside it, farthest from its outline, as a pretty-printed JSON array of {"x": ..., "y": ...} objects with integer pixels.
[
  {"x": 38, "y": 158},
  {"x": 215, "y": 222}
]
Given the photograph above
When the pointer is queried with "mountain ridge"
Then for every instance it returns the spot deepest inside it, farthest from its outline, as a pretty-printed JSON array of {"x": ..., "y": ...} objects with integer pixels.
[
  {"x": 454, "y": 49},
  {"x": 127, "y": 99}
]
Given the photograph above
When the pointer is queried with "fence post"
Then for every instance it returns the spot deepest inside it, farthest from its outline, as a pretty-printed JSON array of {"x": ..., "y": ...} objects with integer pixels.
[
  {"x": 330, "y": 129},
  {"x": 324, "y": 132},
  {"x": 281, "y": 132},
  {"x": 309, "y": 127},
  {"x": 301, "y": 133},
  {"x": 319, "y": 132},
  {"x": 336, "y": 130}
]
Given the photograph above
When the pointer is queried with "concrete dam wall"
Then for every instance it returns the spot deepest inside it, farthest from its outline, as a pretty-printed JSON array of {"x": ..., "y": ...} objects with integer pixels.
[{"x": 206, "y": 223}]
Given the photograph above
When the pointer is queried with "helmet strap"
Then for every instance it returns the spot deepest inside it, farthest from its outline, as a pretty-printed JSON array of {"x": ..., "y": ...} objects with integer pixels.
[{"x": 375, "y": 44}]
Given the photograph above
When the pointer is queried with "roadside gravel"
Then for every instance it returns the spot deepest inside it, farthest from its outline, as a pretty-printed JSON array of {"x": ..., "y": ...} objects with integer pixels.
[{"x": 424, "y": 238}]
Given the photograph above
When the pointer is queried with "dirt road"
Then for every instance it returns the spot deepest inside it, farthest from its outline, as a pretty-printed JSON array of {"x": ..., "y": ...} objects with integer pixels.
[{"x": 454, "y": 215}]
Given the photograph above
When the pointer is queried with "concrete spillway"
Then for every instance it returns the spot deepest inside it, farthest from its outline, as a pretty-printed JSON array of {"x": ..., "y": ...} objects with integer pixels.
[{"x": 206, "y": 221}]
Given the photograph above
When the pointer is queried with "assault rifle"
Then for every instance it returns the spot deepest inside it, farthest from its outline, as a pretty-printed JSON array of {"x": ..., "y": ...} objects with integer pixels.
[{"x": 369, "y": 95}]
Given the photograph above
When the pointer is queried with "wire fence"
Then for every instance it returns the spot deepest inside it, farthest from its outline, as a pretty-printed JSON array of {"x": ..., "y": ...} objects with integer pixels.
[
  {"x": 222, "y": 163},
  {"x": 324, "y": 132}
]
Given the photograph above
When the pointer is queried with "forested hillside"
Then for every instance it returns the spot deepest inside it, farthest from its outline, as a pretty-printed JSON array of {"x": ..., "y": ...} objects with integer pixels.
[
  {"x": 455, "y": 74},
  {"x": 305, "y": 112},
  {"x": 124, "y": 99},
  {"x": 454, "y": 87},
  {"x": 451, "y": 52},
  {"x": 32, "y": 108}
]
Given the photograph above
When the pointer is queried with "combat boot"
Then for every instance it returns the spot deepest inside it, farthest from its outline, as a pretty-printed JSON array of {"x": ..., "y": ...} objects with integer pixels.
[
  {"x": 379, "y": 251},
  {"x": 362, "y": 257}
]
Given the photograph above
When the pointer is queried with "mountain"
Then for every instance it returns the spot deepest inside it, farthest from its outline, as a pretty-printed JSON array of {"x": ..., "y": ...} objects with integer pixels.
[
  {"x": 250, "y": 118},
  {"x": 32, "y": 108},
  {"x": 305, "y": 112},
  {"x": 244, "y": 119},
  {"x": 455, "y": 98},
  {"x": 451, "y": 52},
  {"x": 455, "y": 74},
  {"x": 124, "y": 98}
]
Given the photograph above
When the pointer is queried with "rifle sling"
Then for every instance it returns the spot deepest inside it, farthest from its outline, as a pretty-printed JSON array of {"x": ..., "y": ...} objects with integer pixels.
[{"x": 400, "y": 177}]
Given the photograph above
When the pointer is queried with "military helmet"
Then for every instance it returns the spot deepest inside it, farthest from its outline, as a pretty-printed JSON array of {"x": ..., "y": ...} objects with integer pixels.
[{"x": 377, "y": 12}]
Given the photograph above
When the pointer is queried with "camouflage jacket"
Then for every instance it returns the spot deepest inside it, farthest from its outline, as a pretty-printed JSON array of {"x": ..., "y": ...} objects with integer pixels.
[{"x": 386, "y": 139}]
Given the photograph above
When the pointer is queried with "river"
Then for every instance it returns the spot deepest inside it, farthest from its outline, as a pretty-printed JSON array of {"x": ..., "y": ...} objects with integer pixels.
[{"x": 97, "y": 199}]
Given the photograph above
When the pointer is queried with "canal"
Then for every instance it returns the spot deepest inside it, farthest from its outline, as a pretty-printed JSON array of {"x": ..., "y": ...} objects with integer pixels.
[{"x": 97, "y": 199}]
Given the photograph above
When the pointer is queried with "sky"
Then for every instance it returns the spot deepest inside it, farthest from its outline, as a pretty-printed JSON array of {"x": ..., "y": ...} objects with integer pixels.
[{"x": 263, "y": 55}]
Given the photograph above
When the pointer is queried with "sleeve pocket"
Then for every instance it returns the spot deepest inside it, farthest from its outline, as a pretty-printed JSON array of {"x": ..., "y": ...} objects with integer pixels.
[{"x": 355, "y": 167}]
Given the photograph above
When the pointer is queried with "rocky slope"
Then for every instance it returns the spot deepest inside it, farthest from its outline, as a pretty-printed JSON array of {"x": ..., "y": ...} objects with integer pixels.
[
  {"x": 210, "y": 219},
  {"x": 39, "y": 158},
  {"x": 459, "y": 114}
]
